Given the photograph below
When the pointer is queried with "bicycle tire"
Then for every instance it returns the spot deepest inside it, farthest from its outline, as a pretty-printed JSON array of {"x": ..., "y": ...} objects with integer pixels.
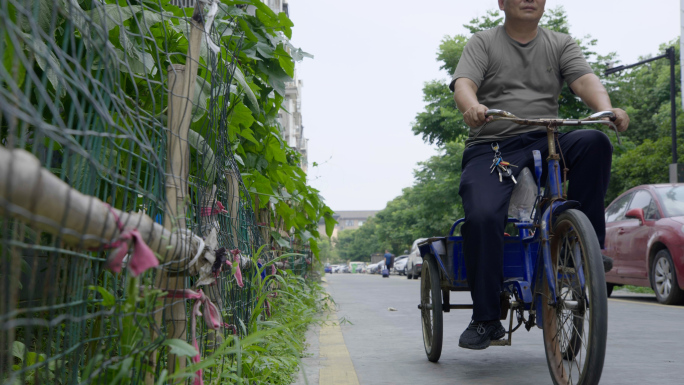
[
  {"x": 575, "y": 329},
  {"x": 431, "y": 309}
]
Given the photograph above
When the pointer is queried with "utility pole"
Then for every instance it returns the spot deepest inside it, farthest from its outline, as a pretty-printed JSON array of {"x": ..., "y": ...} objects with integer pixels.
[{"x": 676, "y": 170}]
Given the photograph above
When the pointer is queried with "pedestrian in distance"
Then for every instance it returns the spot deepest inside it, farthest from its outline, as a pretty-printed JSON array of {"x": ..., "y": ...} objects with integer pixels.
[
  {"x": 520, "y": 67},
  {"x": 389, "y": 259}
]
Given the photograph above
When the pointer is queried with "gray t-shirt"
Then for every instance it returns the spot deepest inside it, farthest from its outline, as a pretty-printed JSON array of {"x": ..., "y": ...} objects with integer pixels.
[{"x": 524, "y": 79}]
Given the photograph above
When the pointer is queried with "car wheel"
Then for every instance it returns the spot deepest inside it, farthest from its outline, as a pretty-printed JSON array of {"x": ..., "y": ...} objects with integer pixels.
[
  {"x": 404, "y": 272},
  {"x": 415, "y": 273},
  {"x": 609, "y": 289},
  {"x": 664, "y": 279}
]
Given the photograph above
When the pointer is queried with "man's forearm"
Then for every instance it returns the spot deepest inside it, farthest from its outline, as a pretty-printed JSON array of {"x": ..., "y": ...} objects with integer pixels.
[
  {"x": 589, "y": 88},
  {"x": 465, "y": 94}
]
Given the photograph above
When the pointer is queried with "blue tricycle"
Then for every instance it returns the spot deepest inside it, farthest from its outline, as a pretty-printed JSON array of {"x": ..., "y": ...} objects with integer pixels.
[{"x": 553, "y": 273}]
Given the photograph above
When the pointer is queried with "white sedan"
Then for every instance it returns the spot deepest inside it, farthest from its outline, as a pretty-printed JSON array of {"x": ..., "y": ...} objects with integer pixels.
[
  {"x": 415, "y": 261},
  {"x": 400, "y": 264}
]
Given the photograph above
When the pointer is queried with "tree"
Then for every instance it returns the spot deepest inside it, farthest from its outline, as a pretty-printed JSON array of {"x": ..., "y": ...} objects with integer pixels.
[
  {"x": 359, "y": 244},
  {"x": 644, "y": 92},
  {"x": 427, "y": 208},
  {"x": 643, "y": 164}
]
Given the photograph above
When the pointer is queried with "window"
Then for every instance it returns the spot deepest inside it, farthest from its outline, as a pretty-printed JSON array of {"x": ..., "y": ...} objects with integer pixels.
[
  {"x": 349, "y": 222},
  {"x": 617, "y": 210},
  {"x": 643, "y": 200},
  {"x": 672, "y": 200},
  {"x": 360, "y": 223}
]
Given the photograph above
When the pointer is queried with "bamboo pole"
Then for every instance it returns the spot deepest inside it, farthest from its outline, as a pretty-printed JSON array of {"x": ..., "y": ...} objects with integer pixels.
[
  {"x": 32, "y": 194},
  {"x": 181, "y": 81}
]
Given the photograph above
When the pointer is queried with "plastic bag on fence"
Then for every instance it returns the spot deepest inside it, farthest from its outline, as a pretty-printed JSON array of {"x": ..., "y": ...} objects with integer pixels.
[{"x": 523, "y": 197}]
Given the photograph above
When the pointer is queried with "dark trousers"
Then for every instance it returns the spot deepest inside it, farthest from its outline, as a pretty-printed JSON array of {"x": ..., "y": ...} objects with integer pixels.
[{"x": 588, "y": 154}]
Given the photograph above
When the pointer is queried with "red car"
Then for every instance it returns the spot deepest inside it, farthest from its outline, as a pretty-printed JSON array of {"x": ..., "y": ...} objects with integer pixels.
[{"x": 645, "y": 237}]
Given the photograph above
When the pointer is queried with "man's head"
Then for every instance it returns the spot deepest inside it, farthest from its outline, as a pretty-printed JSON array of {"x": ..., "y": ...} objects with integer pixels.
[
  {"x": 522, "y": 10},
  {"x": 386, "y": 251}
]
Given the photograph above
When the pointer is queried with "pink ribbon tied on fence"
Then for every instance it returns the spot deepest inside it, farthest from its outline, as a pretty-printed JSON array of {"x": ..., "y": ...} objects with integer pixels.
[
  {"x": 212, "y": 318},
  {"x": 142, "y": 257},
  {"x": 238, "y": 272},
  {"x": 208, "y": 211},
  {"x": 230, "y": 327}
]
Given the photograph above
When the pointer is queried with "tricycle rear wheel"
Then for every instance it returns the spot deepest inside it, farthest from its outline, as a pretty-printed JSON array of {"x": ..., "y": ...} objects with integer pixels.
[
  {"x": 575, "y": 327},
  {"x": 431, "y": 308}
]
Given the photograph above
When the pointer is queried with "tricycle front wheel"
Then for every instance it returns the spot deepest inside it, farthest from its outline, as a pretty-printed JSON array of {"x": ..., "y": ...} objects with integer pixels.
[
  {"x": 575, "y": 327},
  {"x": 431, "y": 308}
]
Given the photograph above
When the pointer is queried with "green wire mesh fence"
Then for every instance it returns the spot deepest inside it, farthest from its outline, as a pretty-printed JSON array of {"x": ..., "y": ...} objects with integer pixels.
[{"x": 113, "y": 119}]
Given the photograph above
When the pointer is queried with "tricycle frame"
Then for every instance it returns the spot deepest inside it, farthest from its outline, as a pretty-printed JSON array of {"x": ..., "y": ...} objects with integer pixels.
[{"x": 536, "y": 261}]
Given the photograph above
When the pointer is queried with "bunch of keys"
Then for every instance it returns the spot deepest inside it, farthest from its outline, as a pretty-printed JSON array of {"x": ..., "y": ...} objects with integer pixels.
[{"x": 501, "y": 166}]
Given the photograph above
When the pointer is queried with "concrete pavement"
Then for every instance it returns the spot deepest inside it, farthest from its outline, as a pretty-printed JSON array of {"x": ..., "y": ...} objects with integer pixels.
[{"x": 645, "y": 340}]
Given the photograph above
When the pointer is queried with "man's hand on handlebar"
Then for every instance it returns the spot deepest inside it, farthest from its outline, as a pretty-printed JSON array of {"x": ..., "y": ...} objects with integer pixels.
[
  {"x": 621, "y": 119},
  {"x": 475, "y": 116}
]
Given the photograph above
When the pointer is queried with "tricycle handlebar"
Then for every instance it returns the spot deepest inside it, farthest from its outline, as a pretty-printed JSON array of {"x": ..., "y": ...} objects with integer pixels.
[{"x": 597, "y": 118}]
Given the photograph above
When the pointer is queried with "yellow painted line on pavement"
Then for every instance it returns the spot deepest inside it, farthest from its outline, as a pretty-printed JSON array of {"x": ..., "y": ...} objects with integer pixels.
[{"x": 337, "y": 367}]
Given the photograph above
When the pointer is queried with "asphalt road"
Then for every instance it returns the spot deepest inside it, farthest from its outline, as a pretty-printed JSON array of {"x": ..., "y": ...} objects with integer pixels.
[{"x": 645, "y": 339}]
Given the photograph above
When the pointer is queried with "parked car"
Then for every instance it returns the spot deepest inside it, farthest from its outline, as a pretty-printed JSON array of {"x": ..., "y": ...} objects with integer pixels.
[
  {"x": 645, "y": 238},
  {"x": 376, "y": 268},
  {"x": 327, "y": 268},
  {"x": 415, "y": 261},
  {"x": 400, "y": 264}
]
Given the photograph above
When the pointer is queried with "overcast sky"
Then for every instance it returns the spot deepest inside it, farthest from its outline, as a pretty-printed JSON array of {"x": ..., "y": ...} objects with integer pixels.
[{"x": 363, "y": 89}]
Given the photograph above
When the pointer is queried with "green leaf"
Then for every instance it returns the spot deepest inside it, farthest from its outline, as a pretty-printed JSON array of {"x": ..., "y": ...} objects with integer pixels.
[
  {"x": 285, "y": 61},
  {"x": 9, "y": 60},
  {"x": 204, "y": 153},
  {"x": 313, "y": 244},
  {"x": 25, "y": 267},
  {"x": 276, "y": 76},
  {"x": 305, "y": 235},
  {"x": 240, "y": 77},
  {"x": 290, "y": 186},
  {"x": 108, "y": 299},
  {"x": 113, "y": 15},
  {"x": 262, "y": 185},
  {"x": 136, "y": 53},
  {"x": 47, "y": 61},
  {"x": 310, "y": 211},
  {"x": 248, "y": 31},
  {"x": 249, "y": 135},
  {"x": 286, "y": 24},
  {"x": 162, "y": 377},
  {"x": 242, "y": 115},
  {"x": 283, "y": 243},
  {"x": 278, "y": 152},
  {"x": 124, "y": 371},
  {"x": 265, "y": 9},
  {"x": 181, "y": 348},
  {"x": 18, "y": 350},
  {"x": 265, "y": 50},
  {"x": 329, "y": 223},
  {"x": 200, "y": 97}
]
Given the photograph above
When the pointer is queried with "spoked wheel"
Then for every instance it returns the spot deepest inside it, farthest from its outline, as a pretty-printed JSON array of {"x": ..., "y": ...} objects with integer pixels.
[
  {"x": 431, "y": 308},
  {"x": 575, "y": 328}
]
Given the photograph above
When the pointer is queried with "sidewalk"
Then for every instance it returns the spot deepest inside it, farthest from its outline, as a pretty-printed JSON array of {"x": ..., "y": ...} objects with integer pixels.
[{"x": 327, "y": 360}]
